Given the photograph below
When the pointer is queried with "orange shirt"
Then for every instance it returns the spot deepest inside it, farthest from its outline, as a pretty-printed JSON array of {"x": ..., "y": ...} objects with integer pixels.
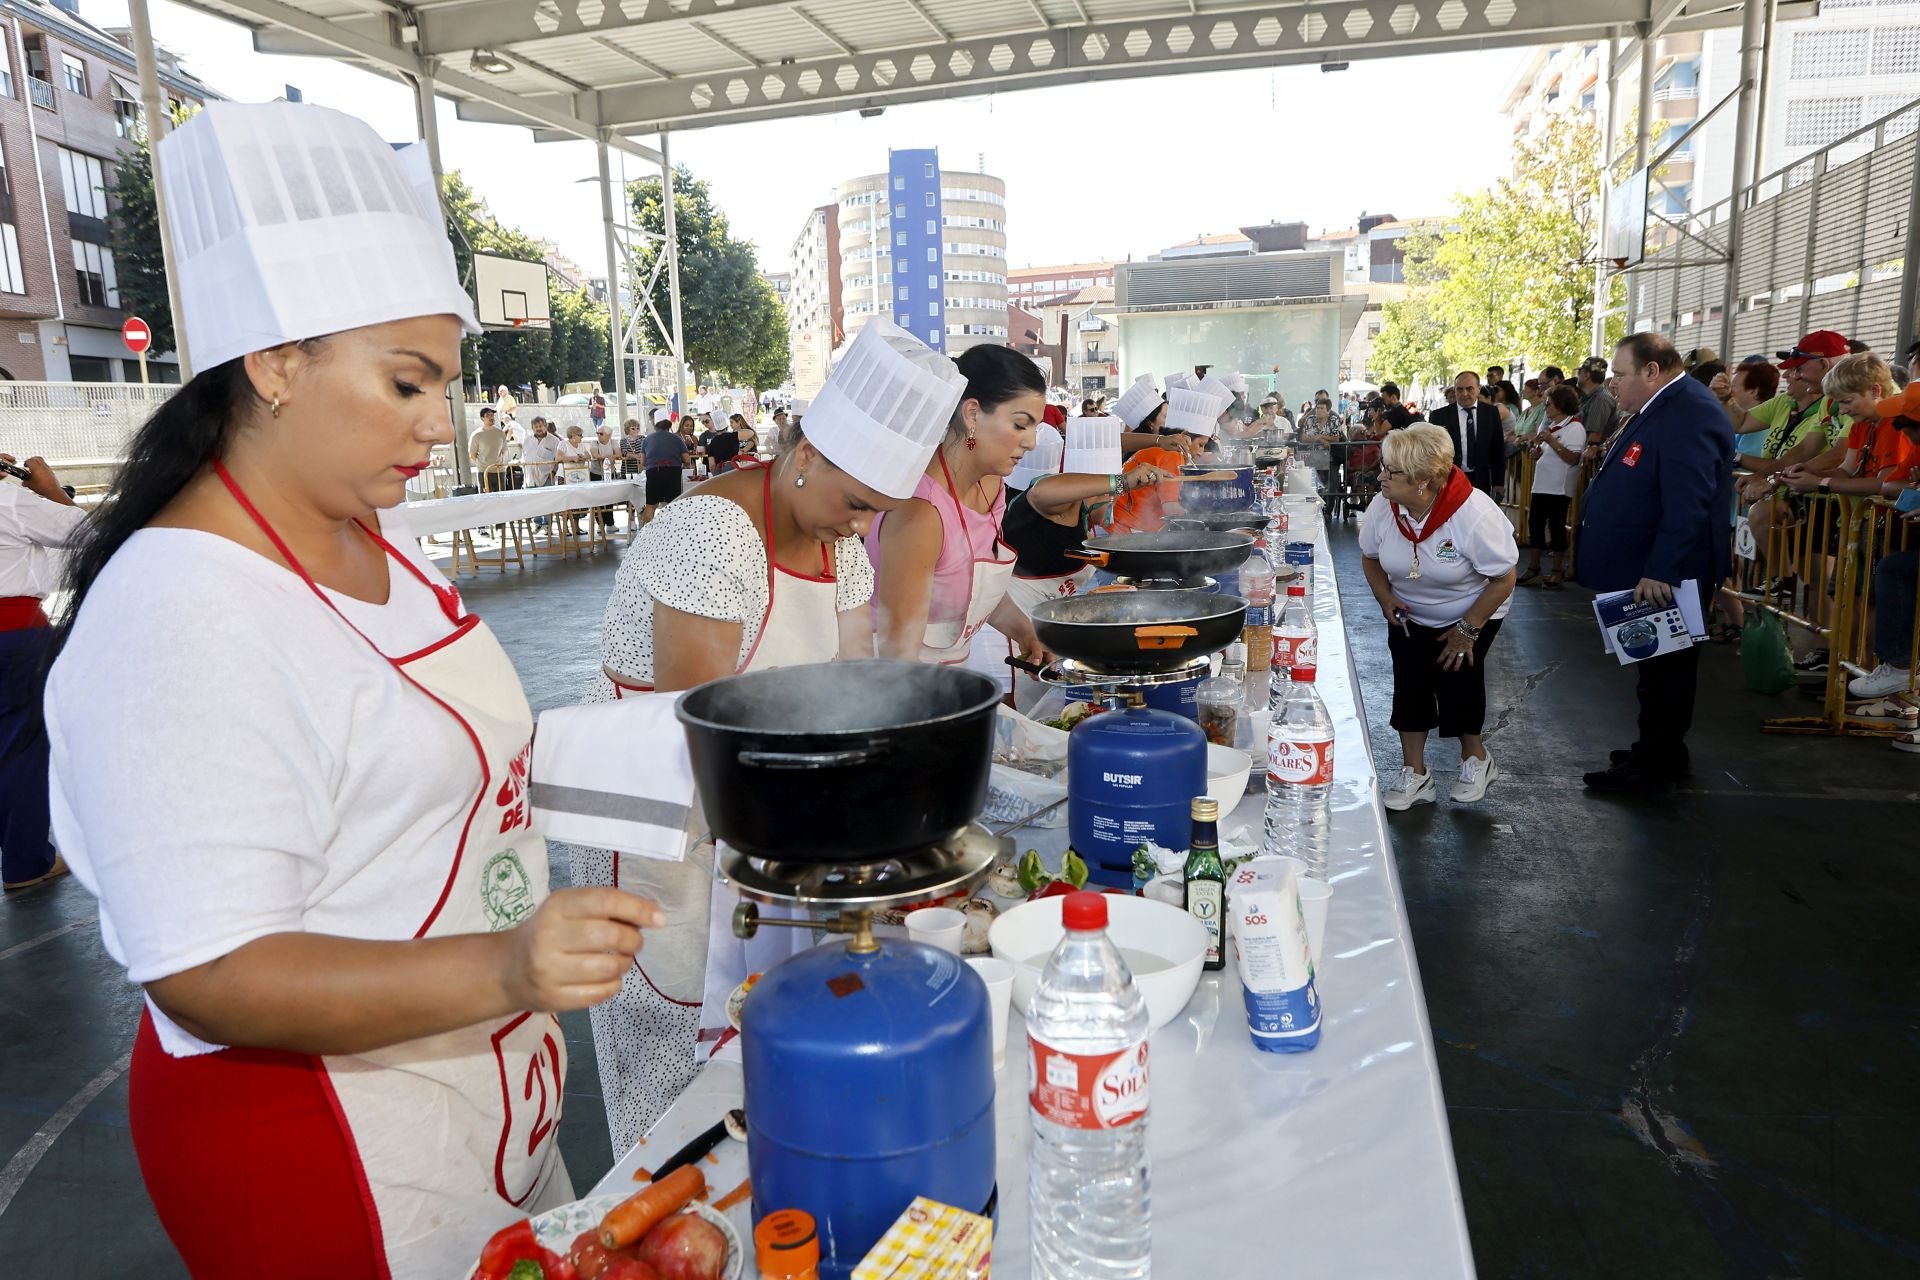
[
  {"x": 1883, "y": 448},
  {"x": 1144, "y": 510}
]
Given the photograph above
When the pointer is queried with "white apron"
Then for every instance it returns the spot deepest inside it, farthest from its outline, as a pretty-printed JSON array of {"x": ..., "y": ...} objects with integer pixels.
[
  {"x": 456, "y": 1133},
  {"x": 664, "y": 1026},
  {"x": 948, "y": 642}
]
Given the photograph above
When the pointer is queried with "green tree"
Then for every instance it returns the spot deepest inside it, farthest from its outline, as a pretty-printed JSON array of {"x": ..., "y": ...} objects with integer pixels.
[
  {"x": 580, "y": 340},
  {"x": 134, "y": 228},
  {"x": 733, "y": 324},
  {"x": 1512, "y": 275}
]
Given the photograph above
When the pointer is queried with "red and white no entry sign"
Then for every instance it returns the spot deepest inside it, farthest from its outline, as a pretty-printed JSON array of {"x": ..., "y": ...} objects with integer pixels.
[{"x": 136, "y": 334}]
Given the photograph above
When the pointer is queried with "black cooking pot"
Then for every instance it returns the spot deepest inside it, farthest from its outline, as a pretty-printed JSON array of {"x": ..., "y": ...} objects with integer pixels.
[
  {"x": 1138, "y": 631},
  {"x": 840, "y": 761}
]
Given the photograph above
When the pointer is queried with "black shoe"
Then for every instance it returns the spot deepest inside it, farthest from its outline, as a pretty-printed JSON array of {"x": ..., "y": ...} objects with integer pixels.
[
  {"x": 1815, "y": 660},
  {"x": 1630, "y": 779},
  {"x": 1618, "y": 758}
]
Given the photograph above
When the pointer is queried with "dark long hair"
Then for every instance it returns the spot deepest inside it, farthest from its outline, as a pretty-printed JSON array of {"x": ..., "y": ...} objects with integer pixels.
[
  {"x": 164, "y": 455},
  {"x": 994, "y": 376}
]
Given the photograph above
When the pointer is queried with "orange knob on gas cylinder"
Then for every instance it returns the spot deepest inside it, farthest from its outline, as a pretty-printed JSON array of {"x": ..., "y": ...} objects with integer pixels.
[{"x": 786, "y": 1246}]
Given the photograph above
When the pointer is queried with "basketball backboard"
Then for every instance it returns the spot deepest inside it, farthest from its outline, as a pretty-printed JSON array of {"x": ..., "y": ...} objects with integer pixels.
[
  {"x": 510, "y": 293},
  {"x": 1624, "y": 239}
]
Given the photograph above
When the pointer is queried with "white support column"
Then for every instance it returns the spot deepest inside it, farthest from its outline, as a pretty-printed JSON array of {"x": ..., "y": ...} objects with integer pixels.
[
  {"x": 1611, "y": 80},
  {"x": 159, "y": 124},
  {"x": 1643, "y": 136},
  {"x": 616, "y": 323},
  {"x": 673, "y": 272},
  {"x": 1767, "y": 33},
  {"x": 1753, "y": 18},
  {"x": 428, "y": 126}
]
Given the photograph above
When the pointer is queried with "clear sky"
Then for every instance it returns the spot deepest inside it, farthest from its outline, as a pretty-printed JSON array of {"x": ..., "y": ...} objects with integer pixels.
[{"x": 1093, "y": 171}]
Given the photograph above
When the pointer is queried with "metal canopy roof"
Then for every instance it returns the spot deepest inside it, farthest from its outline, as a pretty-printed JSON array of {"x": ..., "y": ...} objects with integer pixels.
[{"x": 611, "y": 68}]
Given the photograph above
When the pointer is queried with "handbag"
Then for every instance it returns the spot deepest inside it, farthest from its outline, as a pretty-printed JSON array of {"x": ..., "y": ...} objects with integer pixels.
[{"x": 1764, "y": 655}]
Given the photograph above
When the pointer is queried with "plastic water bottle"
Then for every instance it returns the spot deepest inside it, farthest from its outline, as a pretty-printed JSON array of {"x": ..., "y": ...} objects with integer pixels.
[
  {"x": 1087, "y": 1176},
  {"x": 1296, "y": 643},
  {"x": 1300, "y": 776}
]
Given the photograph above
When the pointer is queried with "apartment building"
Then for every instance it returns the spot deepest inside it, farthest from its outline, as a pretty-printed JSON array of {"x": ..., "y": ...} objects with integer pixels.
[
  {"x": 68, "y": 104},
  {"x": 1030, "y": 286},
  {"x": 927, "y": 248},
  {"x": 814, "y": 320}
]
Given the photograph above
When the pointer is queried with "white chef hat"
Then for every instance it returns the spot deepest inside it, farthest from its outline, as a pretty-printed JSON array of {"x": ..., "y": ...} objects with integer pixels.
[
  {"x": 1176, "y": 381},
  {"x": 1215, "y": 387},
  {"x": 1195, "y": 412},
  {"x": 291, "y": 221},
  {"x": 662, "y": 414},
  {"x": 1041, "y": 460},
  {"x": 884, "y": 408},
  {"x": 1236, "y": 382},
  {"x": 1137, "y": 402},
  {"x": 1093, "y": 446}
]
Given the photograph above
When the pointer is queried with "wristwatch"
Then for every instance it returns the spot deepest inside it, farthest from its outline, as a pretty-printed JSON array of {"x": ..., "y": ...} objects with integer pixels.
[
  {"x": 1826, "y": 483},
  {"x": 1467, "y": 629}
]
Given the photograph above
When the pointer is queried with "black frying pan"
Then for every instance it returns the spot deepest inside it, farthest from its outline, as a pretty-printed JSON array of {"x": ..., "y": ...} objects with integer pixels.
[
  {"x": 1168, "y": 555},
  {"x": 1138, "y": 630}
]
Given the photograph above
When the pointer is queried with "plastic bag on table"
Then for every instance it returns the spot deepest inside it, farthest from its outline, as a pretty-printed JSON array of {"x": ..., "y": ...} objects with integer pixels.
[
  {"x": 1025, "y": 743},
  {"x": 1013, "y": 795}
]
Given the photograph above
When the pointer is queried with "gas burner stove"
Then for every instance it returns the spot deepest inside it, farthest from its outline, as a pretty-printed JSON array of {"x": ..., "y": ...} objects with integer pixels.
[
  {"x": 1074, "y": 673},
  {"x": 954, "y": 864}
]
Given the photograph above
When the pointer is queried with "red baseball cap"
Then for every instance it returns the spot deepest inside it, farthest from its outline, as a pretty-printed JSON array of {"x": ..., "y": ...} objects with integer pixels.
[{"x": 1821, "y": 344}]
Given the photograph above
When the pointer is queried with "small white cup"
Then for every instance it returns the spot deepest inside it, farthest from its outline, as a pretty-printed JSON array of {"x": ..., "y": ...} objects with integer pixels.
[
  {"x": 998, "y": 975},
  {"x": 937, "y": 927},
  {"x": 1315, "y": 897}
]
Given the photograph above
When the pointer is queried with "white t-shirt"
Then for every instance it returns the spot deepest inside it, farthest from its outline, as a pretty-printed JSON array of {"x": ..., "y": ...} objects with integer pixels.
[
  {"x": 1475, "y": 544},
  {"x": 228, "y": 757},
  {"x": 1551, "y": 472},
  {"x": 702, "y": 555},
  {"x": 33, "y": 534},
  {"x": 539, "y": 450}
]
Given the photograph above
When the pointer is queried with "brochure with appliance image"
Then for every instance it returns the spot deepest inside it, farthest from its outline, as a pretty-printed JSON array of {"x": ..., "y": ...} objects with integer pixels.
[{"x": 1635, "y": 632}]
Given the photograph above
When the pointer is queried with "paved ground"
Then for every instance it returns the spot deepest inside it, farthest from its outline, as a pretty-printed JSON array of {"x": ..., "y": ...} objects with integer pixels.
[{"x": 1677, "y": 1038}]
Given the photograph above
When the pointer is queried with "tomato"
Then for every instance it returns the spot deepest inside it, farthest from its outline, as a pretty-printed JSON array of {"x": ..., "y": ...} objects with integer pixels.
[
  {"x": 1052, "y": 889},
  {"x": 590, "y": 1258}
]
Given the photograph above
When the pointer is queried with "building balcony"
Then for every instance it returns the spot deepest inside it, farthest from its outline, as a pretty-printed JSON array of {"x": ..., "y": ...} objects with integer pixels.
[
  {"x": 41, "y": 92},
  {"x": 1681, "y": 104}
]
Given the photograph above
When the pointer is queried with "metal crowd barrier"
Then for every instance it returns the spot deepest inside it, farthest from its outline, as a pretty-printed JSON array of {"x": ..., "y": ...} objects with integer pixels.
[
  {"x": 1519, "y": 501},
  {"x": 1816, "y": 575}
]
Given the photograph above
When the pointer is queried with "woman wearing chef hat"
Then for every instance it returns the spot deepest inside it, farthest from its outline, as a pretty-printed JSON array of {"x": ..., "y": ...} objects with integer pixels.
[
  {"x": 761, "y": 567},
  {"x": 1192, "y": 417},
  {"x": 293, "y": 769},
  {"x": 941, "y": 566},
  {"x": 1142, "y": 409}
]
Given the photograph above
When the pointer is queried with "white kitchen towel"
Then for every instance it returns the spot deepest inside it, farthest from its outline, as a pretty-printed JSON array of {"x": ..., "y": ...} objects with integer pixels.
[{"x": 614, "y": 775}]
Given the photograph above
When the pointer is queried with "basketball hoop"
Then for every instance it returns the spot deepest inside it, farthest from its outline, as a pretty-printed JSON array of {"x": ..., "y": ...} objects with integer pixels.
[{"x": 519, "y": 322}]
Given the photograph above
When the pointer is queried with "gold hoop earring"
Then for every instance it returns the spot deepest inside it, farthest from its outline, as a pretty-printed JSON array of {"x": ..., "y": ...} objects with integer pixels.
[{"x": 276, "y": 406}]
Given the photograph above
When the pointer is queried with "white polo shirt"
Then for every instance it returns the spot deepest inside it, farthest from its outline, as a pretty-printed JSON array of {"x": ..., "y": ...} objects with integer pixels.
[{"x": 1474, "y": 545}]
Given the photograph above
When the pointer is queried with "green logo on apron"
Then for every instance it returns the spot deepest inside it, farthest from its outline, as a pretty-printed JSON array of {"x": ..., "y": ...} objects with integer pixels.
[{"x": 505, "y": 891}]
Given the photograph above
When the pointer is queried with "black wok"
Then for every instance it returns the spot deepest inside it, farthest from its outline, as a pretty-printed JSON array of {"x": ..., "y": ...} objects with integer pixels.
[
  {"x": 840, "y": 761},
  {"x": 1168, "y": 555},
  {"x": 1138, "y": 631}
]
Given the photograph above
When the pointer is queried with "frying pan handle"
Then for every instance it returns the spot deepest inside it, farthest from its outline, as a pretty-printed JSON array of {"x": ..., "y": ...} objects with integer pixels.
[
  {"x": 807, "y": 759},
  {"x": 1163, "y": 636},
  {"x": 1021, "y": 664},
  {"x": 1112, "y": 587},
  {"x": 1098, "y": 559}
]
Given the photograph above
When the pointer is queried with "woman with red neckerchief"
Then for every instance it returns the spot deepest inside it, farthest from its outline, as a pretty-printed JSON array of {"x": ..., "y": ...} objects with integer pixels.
[{"x": 1439, "y": 555}]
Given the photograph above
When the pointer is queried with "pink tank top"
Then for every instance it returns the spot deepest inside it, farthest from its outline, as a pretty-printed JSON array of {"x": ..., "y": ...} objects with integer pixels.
[{"x": 953, "y": 571}]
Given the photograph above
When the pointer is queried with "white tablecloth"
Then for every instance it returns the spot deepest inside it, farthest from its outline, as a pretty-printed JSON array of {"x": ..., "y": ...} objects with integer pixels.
[
  {"x": 479, "y": 510},
  {"x": 1335, "y": 1162}
]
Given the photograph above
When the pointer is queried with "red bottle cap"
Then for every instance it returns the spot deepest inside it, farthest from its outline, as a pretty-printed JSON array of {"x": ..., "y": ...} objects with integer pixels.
[
  {"x": 1084, "y": 909},
  {"x": 1302, "y": 674},
  {"x": 1296, "y": 588}
]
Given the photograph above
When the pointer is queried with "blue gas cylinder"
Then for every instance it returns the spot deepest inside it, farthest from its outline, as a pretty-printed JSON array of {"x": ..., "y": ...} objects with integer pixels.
[
  {"x": 1131, "y": 778},
  {"x": 869, "y": 1081},
  {"x": 1178, "y": 696}
]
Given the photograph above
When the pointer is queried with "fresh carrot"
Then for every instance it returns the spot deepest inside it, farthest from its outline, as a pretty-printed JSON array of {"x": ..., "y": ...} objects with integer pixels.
[
  {"x": 647, "y": 1208},
  {"x": 734, "y": 1196},
  {"x": 643, "y": 1175}
]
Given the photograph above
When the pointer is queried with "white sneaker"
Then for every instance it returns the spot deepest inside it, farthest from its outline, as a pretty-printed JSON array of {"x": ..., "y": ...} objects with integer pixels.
[
  {"x": 1476, "y": 775},
  {"x": 1879, "y": 682},
  {"x": 1414, "y": 788}
]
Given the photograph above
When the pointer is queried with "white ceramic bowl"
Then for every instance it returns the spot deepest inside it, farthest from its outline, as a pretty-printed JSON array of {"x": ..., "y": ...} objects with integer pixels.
[
  {"x": 1164, "y": 945},
  {"x": 1227, "y": 771}
]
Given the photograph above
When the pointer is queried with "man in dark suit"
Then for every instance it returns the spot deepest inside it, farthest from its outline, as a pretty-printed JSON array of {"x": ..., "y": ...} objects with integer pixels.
[
  {"x": 1479, "y": 445},
  {"x": 1654, "y": 517}
]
